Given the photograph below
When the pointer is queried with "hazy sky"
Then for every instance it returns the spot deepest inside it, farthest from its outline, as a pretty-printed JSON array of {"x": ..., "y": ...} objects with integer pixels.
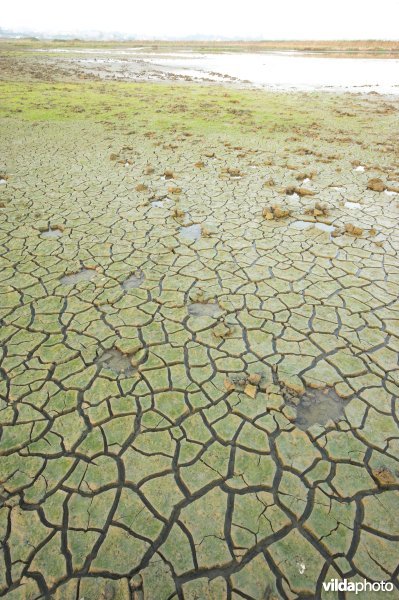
[{"x": 268, "y": 19}]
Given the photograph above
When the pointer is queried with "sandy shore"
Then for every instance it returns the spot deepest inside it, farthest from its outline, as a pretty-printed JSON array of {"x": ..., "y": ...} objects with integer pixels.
[{"x": 200, "y": 335}]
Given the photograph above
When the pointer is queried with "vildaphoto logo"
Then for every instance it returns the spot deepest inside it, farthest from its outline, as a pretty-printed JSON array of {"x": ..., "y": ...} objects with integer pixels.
[{"x": 343, "y": 585}]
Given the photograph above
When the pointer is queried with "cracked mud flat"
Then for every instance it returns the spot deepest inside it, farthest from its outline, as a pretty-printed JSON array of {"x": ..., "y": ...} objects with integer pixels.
[{"x": 246, "y": 447}]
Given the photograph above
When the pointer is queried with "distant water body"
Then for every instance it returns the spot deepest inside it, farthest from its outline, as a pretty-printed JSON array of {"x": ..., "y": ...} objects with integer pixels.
[
  {"x": 291, "y": 70},
  {"x": 273, "y": 70}
]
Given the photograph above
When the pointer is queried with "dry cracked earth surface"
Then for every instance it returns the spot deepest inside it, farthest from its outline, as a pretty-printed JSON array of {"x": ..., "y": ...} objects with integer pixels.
[{"x": 199, "y": 364}]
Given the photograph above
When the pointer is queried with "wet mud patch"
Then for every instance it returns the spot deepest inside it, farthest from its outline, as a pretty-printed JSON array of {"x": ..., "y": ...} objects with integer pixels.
[
  {"x": 316, "y": 407},
  {"x": 204, "y": 309},
  {"x": 134, "y": 280},
  {"x": 116, "y": 361},
  {"x": 82, "y": 275}
]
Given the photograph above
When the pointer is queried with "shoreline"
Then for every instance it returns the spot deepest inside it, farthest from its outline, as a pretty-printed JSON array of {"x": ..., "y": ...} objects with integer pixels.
[{"x": 278, "y": 71}]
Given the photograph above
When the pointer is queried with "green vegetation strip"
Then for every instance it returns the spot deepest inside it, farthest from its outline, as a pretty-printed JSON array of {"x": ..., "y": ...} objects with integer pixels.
[{"x": 158, "y": 106}]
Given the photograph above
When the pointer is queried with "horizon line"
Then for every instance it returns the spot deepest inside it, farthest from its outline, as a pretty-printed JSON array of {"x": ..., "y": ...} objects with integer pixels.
[{"x": 125, "y": 37}]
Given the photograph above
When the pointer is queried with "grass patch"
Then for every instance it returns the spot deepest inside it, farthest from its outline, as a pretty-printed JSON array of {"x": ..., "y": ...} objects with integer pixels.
[
  {"x": 206, "y": 110},
  {"x": 198, "y": 109}
]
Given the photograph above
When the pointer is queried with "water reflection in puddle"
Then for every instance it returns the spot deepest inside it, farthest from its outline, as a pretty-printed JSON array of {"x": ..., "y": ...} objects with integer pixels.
[
  {"x": 134, "y": 281},
  {"x": 302, "y": 225},
  {"x": 161, "y": 203},
  {"x": 51, "y": 233},
  {"x": 319, "y": 407},
  {"x": 349, "y": 204},
  {"x": 190, "y": 232},
  {"x": 324, "y": 227},
  {"x": 116, "y": 361},
  {"x": 306, "y": 225},
  {"x": 83, "y": 275},
  {"x": 204, "y": 309}
]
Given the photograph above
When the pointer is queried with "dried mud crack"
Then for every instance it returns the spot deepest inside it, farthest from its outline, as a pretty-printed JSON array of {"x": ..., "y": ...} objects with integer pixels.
[{"x": 199, "y": 408}]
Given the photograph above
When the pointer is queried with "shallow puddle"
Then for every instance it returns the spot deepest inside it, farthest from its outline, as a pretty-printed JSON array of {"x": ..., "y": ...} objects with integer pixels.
[
  {"x": 324, "y": 227},
  {"x": 134, "y": 281},
  {"x": 305, "y": 225},
  {"x": 190, "y": 232},
  {"x": 187, "y": 220},
  {"x": 51, "y": 233},
  {"x": 161, "y": 203},
  {"x": 319, "y": 407},
  {"x": 302, "y": 224},
  {"x": 83, "y": 275},
  {"x": 349, "y": 204},
  {"x": 204, "y": 309},
  {"x": 116, "y": 361}
]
